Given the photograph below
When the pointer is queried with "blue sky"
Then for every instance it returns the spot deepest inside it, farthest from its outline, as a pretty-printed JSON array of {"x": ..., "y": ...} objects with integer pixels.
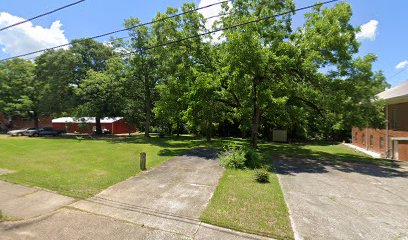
[{"x": 385, "y": 35}]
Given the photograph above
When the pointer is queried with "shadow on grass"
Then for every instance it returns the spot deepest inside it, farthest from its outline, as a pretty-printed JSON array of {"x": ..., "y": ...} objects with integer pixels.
[
  {"x": 285, "y": 158},
  {"x": 205, "y": 153},
  {"x": 296, "y": 158}
]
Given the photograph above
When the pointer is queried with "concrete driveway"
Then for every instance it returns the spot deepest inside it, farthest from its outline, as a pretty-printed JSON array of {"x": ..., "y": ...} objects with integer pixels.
[
  {"x": 330, "y": 200},
  {"x": 163, "y": 203}
]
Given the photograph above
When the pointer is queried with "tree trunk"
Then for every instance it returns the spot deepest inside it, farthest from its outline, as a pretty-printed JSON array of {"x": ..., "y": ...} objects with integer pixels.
[
  {"x": 35, "y": 117},
  {"x": 98, "y": 126},
  {"x": 255, "y": 115},
  {"x": 147, "y": 123},
  {"x": 9, "y": 122},
  {"x": 147, "y": 97},
  {"x": 178, "y": 128},
  {"x": 208, "y": 132},
  {"x": 209, "y": 128},
  {"x": 170, "y": 127}
]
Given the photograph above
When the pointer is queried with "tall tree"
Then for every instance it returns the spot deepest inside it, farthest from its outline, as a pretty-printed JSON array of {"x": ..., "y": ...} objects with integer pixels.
[
  {"x": 17, "y": 88},
  {"x": 141, "y": 71},
  {"x": 330, "y": 80},
  {"x": 94, "y": 57},
  {"x": 251, "y": 56},
  {"x": 102, "y": 91},
  {"x": 179, "y": 63},
  {"x": 56, "y": 71}
]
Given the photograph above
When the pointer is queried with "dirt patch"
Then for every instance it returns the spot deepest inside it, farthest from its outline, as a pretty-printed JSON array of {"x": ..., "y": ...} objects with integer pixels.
[{"x": 6, "y": 171}]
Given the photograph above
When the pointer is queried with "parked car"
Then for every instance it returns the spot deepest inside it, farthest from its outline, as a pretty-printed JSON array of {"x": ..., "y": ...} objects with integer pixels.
[
  {"x": 20, "y": 132},
  {"x": 104, "y": 131},
  {"x": 47, "y": 131}
]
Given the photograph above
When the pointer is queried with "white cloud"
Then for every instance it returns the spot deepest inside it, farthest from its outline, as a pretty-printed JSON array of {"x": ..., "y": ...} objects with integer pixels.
[
  {"x": 27, "y": 37},
  {"x": 211, "y": 12},
  {"x": 368, "y": 31},
  {"x": 402, "y": 65}
]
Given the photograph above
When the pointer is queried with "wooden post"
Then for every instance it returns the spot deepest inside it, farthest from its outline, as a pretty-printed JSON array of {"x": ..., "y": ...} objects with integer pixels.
[{"x": 143, "y": 161}]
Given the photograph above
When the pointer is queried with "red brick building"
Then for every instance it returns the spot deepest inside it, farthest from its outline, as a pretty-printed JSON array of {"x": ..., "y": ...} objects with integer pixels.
[
  {"x": 115, "y": 125},
  {"x": 19, "y": 122},
  {"x": 392, "y": 141}
]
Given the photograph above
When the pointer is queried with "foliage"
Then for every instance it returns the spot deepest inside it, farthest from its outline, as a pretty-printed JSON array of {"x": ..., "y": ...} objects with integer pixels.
[
  {"x": 233, "y": 158},
  {"x": 238, "y": 157},
  {"x": 261, "y": 175},
  {"x": 94, "y": 80},
  {"x": 101, "y": 91},
  {"x": 18, "y": 89},
  {"x": 254, "y": 78},
  {"x": 252, "y": 157}
]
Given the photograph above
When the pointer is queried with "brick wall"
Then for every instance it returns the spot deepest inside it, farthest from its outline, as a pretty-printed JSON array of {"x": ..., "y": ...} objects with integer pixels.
[
  {"x": 375, "y": 139},
  {"x": 20, "y": 122}
]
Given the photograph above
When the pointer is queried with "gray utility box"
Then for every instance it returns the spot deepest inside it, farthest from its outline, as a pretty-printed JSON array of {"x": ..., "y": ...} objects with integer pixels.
[{"x": 280, "y": 136}]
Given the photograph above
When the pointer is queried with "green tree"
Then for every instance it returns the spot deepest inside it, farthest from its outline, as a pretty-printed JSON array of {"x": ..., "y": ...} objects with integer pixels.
[
  {"x": 18, "y": 90},
  {"x": 93, "y": 56},
  {"x": 178, "y": 62},
  {"x": 102, "y": 91},
  {"x": 335, "y": 88},
  {"x": 252, "y": 64},
  {"x": 56, "y": 71},
  {"x": 141, "y": 72}
]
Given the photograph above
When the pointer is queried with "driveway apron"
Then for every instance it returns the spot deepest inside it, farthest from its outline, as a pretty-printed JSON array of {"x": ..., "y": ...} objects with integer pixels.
[
  {"x": 169, "y": 197},
  {"x": 163, "y": 203},
  {"x": 338, "y": 200}
]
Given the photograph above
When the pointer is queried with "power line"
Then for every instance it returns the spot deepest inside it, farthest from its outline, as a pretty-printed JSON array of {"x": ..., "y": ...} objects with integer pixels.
[
  {"x": 117, "y": 31},
  {"x": 41, "y": 15},
  {"x": 398, "y": 73},
  {"x": 231, "y": 27},
  {"x": 126, "y": 37}
]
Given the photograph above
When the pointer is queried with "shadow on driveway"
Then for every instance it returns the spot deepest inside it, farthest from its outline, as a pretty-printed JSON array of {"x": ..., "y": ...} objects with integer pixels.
[
  {"x": 307, "y": 165},
  {"x": 344, "y": 200}
]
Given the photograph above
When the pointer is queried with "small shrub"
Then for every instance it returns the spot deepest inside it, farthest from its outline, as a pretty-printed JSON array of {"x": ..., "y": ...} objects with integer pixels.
[
  {"x": 262, "y": 175},
  {"x": 233, "y": 158},
  {"x": 252, "y": 157},
  {"x": 238, "y": 157}
]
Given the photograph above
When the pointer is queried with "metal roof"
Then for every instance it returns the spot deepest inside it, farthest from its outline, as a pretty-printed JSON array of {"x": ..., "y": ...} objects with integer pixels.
[
  {"x": 397, "y": 92},
  {"x": 85, "y": 120}
]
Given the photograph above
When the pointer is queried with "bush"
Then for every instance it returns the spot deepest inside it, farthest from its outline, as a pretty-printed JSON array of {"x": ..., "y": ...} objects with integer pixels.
[
  {"x": 252, "y": 157},
  {"x": 238, "y": 157},
  {"x": 262, "y": 175},
  {"x": 233, "y": 158}
]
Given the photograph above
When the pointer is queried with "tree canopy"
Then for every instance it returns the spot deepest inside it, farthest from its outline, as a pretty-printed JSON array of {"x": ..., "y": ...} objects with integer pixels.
[{"x": 171, "y": 76}]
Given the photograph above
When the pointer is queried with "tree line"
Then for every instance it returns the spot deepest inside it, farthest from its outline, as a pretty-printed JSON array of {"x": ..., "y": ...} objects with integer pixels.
[{"x": 252, "y": 79}]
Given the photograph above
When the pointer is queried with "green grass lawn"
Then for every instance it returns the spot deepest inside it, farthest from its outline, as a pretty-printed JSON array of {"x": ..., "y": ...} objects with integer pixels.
[
  {"x": 241, "y": 203},
  {"x": 82, "y": 168}
]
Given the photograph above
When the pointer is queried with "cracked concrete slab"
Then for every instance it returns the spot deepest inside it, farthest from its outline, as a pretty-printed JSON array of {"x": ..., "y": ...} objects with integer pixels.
[
  {"x": 207, "y": 231},
  {"x": 163, "y": 203},
  {"x": 70, "y": 224},
  {"x": 26, "y": 202},
  {"x": 330, "y": 200},
  {"x": 169, "y": 197}
]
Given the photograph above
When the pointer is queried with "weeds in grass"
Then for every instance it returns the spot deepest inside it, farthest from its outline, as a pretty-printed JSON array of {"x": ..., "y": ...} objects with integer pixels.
[
  {"x": 261, "y": 175},
  {"x": 4, "y": 218}
]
